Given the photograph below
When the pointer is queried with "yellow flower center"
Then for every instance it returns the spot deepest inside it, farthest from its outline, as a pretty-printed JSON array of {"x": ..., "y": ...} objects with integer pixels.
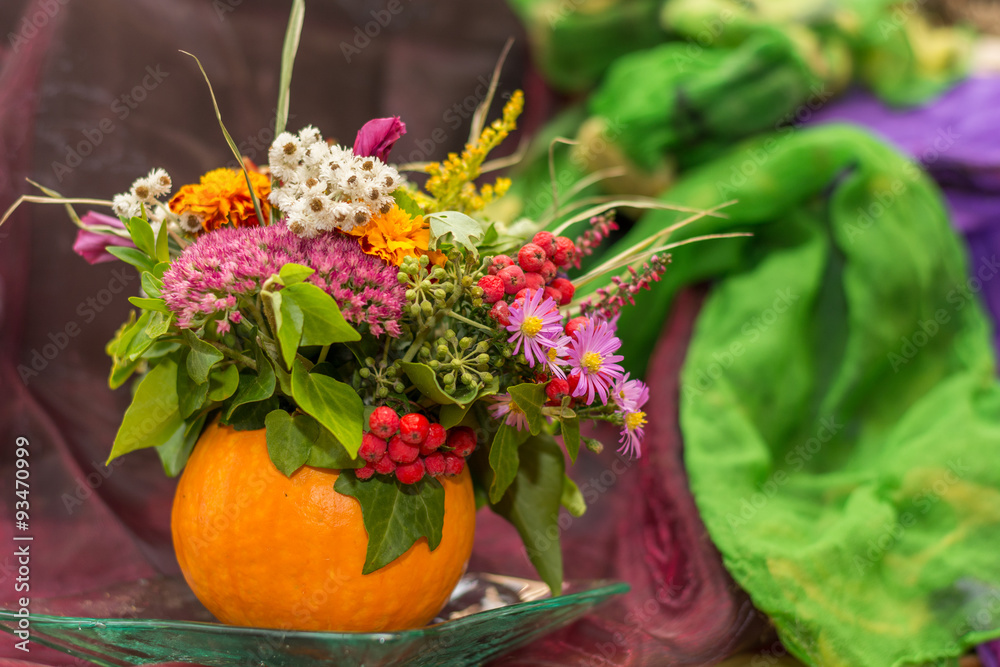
[
  {"x": 634, "y": 420},
  {"x": 552, "y": 353},
  {"x": 531, "y": 326},
  {"x": 592, "y": 362},
  {"x": 515, "y": 408}
]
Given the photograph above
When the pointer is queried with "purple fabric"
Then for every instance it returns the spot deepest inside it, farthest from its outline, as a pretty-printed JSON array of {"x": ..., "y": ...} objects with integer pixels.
[
  {"x": 989, "y": 654},
  {"x": 956, "y": 139}
]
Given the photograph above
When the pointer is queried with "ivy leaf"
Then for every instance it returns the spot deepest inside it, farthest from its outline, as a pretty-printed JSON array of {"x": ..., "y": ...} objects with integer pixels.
[
  {"x": 288, "y": 319},
  {"x": 201, "y": 358},
  {"x": 571, "y": 436},
  {"x": 223, "y": 383},
  {"x": 175, "y": 452},
  {"x": 250, "y": 416},
  {"x": 190, "y": 395},
  {"x": 254, "y": 386},
  {"x": 571, "y": 498},
  {"x": 532, "y": 504},
  {"x": 504, "y": 459},
  {"x": 334, "y": 404},
  {"x": 407, "y": 203},
  {"x": 152, "y": 418},
  {"x": 424, "y": 378},
  {"x": 465, "y": 231},
  {"x": 293, "y": 273},
  {"x": 530, "y": 397},
  {"x": 289, "y": 440},
  {"x": 322, "y": 321},
  {"x": 327, "y": 452},
  {"x": 395, "y": 515}
]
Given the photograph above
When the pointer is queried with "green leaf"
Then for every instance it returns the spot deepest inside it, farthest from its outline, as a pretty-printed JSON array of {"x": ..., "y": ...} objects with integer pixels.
[
  {"x": 149, "y": 304},
  {"x": 191, "y": 396},
  {"x": 530, "y": 397},
  {"x": 289, "y": 440},
  {"x": 159, "y": 324},
  {"x": 504, "y": 459},
  {"x": 327, "y": 452},
  {"x": 425, "y": 379},
  {"x": 160, "y": 269},
  {"x": 250, "y": 416},
  {"x": 201, "y": 358},
  {"x": 151, "y": 285},
  {"x": 532, "y": 504},
  {"x": 322, "y": 321},
  {"x": 334, "y": 404},
  {"x": 571, "y": 498},
  {"x": 407, "y": 203},
  {"x": 288, "y": 319},
  {"x": 162, "y": 244},
  {"x": 141, "y": 340},
  {"x": 293, "y": 273},
  {"x": 174, "y": 453},
  {"x": 288, "y": 50},
  {"x": 395, "y": 515},
  {"x": 142, "y": 235},
  {"x": 571, "y": 437},
  {"x": 152, "y": 418},
  {"x": 133, "y": 256},
  {"x": 223, "y": 383},
  {"x": 465, "y": 231},
  {"x": 452, "y": 415},
  {"x": 254, "y": 386}
]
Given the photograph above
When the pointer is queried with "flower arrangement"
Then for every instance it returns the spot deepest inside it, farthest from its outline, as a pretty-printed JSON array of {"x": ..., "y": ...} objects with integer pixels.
[{"x": 398, "y": 334}]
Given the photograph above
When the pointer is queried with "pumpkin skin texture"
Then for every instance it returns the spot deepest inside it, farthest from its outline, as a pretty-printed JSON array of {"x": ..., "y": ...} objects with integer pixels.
[{"x": 264, "y": 550}]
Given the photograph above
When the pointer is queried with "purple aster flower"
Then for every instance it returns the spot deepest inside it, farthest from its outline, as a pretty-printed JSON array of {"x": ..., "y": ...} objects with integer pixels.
[
  {"x": 515, "y": 415},
  {"x": 593, "y": 359},
  {"x": 535, "y": 323},
  {"x": 377, "y": 137},
  {"x": 93, "y": 246},
  {"x": 629, "y": 394},
  {"x": 555, "y": 357},
  {"x": 212, "y": 274},
  {"x": 632, "y": 433}
]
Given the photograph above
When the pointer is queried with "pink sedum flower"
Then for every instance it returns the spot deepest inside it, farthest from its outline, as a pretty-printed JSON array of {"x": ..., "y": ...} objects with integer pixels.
[
  {"x": 93, "y": 246},
  {"x": 593, "y": 360},
  {"x": 377, "y": 137},
  {"x": 510, "y": 411},
  {"x": 536, "y": 325}
]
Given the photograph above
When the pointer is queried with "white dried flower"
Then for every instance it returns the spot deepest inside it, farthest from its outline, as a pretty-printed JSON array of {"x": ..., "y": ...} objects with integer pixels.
[{"x": 126, "y": 206}]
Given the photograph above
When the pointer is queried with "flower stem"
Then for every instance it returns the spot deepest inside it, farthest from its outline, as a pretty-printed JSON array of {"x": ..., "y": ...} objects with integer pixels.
[
  {"x": 233, "y": 354},
  {"x": 452, "y": 314}
]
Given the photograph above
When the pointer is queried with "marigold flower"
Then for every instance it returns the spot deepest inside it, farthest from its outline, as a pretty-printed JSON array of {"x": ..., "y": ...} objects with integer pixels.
[
  {"x": 394, "y": 236},
  {"x": 222, "y": 198}
]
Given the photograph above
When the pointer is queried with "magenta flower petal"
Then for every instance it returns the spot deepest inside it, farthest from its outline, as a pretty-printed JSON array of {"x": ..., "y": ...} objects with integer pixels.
[
  {"x": 93, "y": 246},
  {"x": 377, "y": 137}
]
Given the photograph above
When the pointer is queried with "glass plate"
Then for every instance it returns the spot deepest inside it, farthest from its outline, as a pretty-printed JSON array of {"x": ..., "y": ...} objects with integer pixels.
[{"x": 488, "y": 615}]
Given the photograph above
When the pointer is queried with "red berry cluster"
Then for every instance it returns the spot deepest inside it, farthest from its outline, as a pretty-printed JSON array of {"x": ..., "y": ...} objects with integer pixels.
[
  {"x": 537, "y": 265},
  {"x": 410, "y": 447}
]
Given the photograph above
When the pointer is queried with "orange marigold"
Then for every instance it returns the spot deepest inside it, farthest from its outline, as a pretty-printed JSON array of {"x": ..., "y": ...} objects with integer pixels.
[
  {"x": 222, "y": 198},
  {"x": 395, "y": 235}
]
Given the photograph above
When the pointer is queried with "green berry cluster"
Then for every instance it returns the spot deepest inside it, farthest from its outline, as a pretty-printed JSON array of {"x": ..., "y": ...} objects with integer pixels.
[{"x": 458, "y": 361}]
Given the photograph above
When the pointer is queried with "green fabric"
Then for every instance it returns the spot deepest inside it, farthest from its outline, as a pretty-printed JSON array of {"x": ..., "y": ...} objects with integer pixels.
[{"x": 840, "y": 413}]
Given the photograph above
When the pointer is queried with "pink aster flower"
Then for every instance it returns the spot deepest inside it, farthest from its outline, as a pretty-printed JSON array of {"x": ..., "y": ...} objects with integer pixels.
[
  {"x": 535, "y": 323},
  {"x": 593, "y": 360},
  {"x": 633, "y": 431},
  {"x": 214, "y": 272},
  {"x": 514, "y": 414},
  {"x": 629, "y": 394},
  {"x": 377, "y": 137},
  {"x": 93, "y": 245},
  {"x": 555, "y": 357}
]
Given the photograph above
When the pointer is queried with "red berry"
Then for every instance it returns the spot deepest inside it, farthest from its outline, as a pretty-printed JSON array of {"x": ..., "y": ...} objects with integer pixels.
[
  {"x": 565, "y": 251},
  {"x": 402, "y": 452},
  {"x": 413, "y": 428},
  {"x": 383, "y": 422},
  {"x": 366, "y": 472},
  {"x": 534, "y": 280},
  {"x": 513, "y": 279},
  {"x": 411, "y": 473},
  {"x": 548, "y": 271},
  {"x": 372, "y": 447},
  {"x": 385, "y": 466},
  {"x": 453, "y": 464},
  {"x": 492, "y": 287},
  {"x": 499, "y": 263},
  {"x": 462, "y": 440},
  {"x": 546, "y": 242},
  {"x": 531, "y": 257},
  {"x": 436, "y": 436},
  {"x": 522, "y": 295},
  {"x": 567, "y": 289},
  {"x": 501, "y": 313},
  {"x": 554, "y": 294},
  {"x": 575, "y": 325},
  {"x": 435, "y": 464},
  {"x": 557, "y": 390}
]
